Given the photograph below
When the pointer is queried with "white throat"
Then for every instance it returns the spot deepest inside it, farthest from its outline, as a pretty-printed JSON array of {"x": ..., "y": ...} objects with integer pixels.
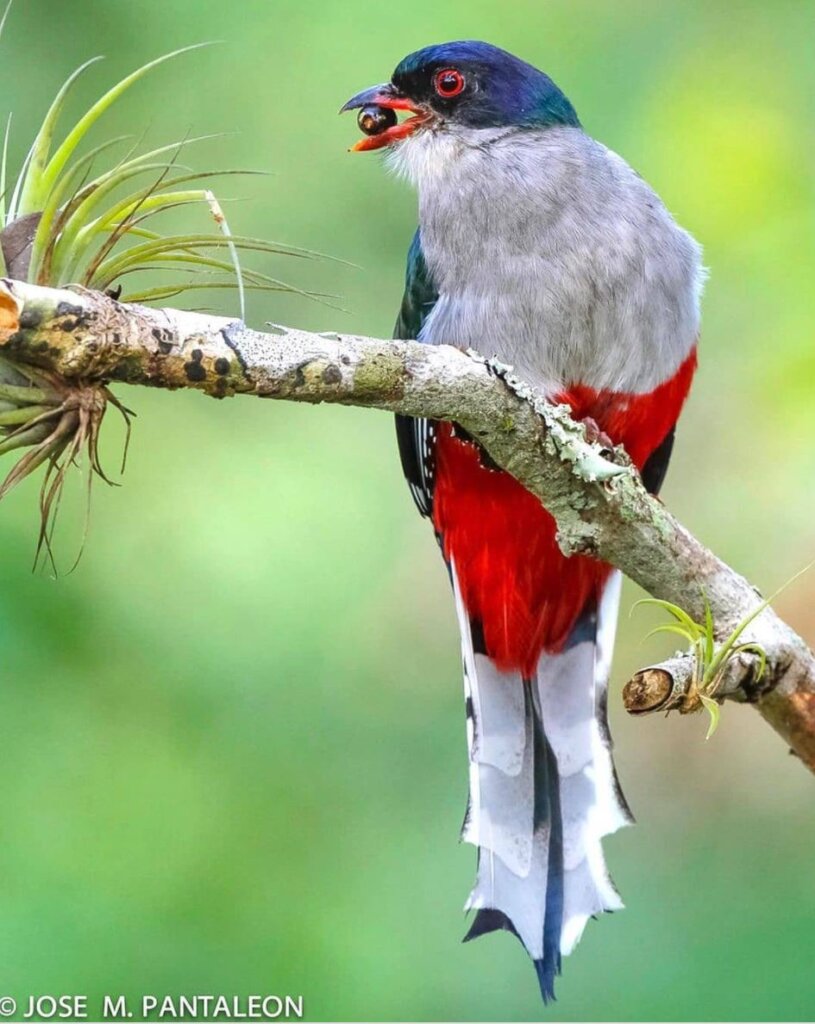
[{"x": 430, "y": 156}]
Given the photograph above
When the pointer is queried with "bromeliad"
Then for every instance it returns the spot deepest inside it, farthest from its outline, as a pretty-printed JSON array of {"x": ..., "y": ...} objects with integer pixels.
[{"x": 538, "y": 245}]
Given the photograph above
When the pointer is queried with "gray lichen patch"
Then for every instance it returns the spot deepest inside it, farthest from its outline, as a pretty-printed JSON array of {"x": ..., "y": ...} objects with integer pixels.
[{"x": 568, "y": 437}]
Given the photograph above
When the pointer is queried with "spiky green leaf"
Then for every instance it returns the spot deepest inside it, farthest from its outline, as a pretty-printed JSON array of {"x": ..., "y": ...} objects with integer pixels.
[
  {"x": 37, "y": 181},
  {"x": 714, "y": 710},
  {"x": 75, "y": 136}
]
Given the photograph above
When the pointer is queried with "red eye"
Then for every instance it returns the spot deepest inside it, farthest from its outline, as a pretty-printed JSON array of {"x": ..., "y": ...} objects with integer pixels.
[{"x": 448, "y": 83}]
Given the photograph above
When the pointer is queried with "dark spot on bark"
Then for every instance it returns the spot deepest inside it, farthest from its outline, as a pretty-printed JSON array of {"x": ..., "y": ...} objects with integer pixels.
[
  {"x": 30, "y": 318},
  {"x": 133, "y": 368},
  {"x": 14, "y": 340},
  {"x": 164, "y": 337},
  {"x": 299, "y": 376},
  {"x": 332, "y": 374},
  {"x": 221, "y": 366},
  {"x": 195, "y": 371},
  {"x": 68, "y": 309},
  {"x": 68, "y": 325},
  {"x": 196, "y": 355},
  {"x": 116, "y": 338},
  {"x": 226, "y": 334},
  {"x": 220, "y": 387},
  {"x": 345, "y": 360}
]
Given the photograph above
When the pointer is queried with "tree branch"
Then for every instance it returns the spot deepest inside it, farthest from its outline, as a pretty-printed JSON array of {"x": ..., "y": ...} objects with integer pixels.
[{"x": 595, "y": 495}]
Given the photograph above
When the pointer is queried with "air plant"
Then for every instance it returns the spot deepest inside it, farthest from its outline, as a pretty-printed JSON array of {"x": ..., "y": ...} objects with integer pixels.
[
  {"x": 710, "y": 660},
  {"x": 56, "y": 421},
  {"x": 66, "y": 222}
]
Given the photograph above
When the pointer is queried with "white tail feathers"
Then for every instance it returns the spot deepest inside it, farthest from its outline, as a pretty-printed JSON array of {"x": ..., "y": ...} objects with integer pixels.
[
  {"x": 543, "y": 791},
  {"x": 572, "y": 691}
]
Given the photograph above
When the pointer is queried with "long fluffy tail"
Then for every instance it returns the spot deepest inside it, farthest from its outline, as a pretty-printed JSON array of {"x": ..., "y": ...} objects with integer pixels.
[{"x": 543, "y": 790}]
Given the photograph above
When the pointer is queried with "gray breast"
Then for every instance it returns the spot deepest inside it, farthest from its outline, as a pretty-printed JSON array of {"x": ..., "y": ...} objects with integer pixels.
[{"x": 550, "y": 252}]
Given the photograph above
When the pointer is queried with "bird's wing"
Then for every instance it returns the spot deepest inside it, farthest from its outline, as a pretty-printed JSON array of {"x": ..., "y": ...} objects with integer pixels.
[
  {"x": 656, "y": 465},
  {"x": 416, "y": 437}
]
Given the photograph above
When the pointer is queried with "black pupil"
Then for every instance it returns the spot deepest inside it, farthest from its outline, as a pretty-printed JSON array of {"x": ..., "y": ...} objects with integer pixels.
[{"x": 449, "y": 82}]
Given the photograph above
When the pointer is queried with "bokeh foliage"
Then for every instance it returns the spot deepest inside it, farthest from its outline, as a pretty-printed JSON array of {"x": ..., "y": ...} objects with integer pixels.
[{"x": 232, "y": 753}]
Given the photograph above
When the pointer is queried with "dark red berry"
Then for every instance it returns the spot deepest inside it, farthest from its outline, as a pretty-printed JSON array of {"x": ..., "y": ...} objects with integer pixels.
[{"x": 374, "y": 120}]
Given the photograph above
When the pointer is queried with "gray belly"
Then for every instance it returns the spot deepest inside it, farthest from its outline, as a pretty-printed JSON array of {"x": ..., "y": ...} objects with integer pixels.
[{"x": 559, "y": 326}]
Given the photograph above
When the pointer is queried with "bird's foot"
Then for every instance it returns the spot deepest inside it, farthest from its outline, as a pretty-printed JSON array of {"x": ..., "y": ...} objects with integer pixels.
[{"x": 594, "y": 433}]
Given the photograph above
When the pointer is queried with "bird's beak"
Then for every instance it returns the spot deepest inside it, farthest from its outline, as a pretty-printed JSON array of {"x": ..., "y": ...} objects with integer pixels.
[{"x": 386, "y": 96}]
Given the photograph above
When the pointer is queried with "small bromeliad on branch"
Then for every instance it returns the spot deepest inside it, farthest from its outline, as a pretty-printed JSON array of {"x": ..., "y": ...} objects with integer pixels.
[
  {"x": 69, "y": 219},
  {"x": 55, "y": 421}
]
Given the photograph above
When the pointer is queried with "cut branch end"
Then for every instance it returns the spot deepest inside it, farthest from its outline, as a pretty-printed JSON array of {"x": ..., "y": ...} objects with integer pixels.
[{"x": 649, "y": 690}]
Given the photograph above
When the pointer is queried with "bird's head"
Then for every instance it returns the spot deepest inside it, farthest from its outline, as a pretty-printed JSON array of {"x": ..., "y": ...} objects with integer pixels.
[{"x": 464, "y": 84}]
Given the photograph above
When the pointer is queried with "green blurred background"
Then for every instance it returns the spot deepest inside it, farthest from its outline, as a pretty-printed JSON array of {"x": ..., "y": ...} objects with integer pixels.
[{"x": 232, "y": 753}]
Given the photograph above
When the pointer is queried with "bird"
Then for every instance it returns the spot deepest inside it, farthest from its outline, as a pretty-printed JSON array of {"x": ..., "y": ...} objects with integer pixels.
[{"x": 540, "y": 247}]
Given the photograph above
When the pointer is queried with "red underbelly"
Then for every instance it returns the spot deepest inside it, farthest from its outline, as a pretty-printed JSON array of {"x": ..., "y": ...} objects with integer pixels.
[{"x": 512, "y": 576}]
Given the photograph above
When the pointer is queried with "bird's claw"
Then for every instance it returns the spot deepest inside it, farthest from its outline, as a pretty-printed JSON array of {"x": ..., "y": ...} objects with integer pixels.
[{"x": 594, "y": 433}]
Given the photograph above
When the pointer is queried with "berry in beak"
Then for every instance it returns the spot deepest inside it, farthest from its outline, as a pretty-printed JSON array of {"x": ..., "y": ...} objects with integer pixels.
[{"x": 380, "y": 129}]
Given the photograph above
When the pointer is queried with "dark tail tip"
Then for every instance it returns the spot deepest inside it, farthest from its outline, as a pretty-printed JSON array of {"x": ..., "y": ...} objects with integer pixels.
[
  {"x": 487, "y": 921},
  {"x": 547, "y": 969}
]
